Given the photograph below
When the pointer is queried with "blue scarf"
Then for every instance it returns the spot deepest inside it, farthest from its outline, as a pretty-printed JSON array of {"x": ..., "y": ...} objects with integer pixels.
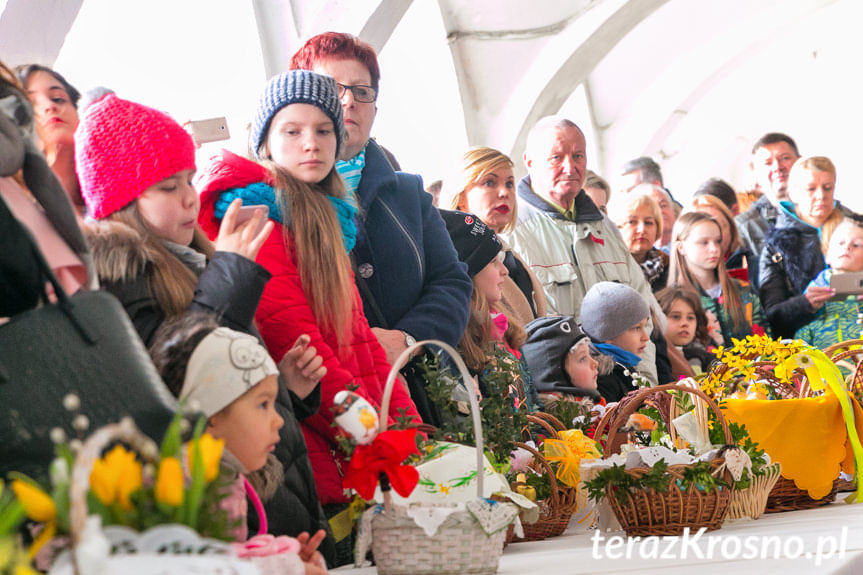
[
  {"x": 260, "y": 194},
  {"x": 627, "y": 358},
  {"x": 351, "y": 172}
]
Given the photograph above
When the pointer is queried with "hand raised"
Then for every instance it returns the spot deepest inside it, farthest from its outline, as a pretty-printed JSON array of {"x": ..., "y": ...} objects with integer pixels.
[
  {"x": 243, "y": 239},
  {"x": 302, "y": 367}
]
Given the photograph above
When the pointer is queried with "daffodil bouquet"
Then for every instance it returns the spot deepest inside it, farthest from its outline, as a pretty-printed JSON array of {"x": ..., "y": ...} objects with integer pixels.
[
  {"x": 135, "y": 488},
  {"x": 756, "y": 367}
]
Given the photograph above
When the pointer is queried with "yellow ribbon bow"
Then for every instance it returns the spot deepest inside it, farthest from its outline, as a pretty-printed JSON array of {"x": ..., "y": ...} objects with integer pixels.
[{"x": 568, "y": 451}]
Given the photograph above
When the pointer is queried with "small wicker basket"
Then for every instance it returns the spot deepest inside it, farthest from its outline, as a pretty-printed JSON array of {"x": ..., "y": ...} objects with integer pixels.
[
  {"x": 752, "y": 501},
  {"x": 460, "y": 545},
  {"x": 647, "y": 512},
  {"x": 556, "y": 511}
]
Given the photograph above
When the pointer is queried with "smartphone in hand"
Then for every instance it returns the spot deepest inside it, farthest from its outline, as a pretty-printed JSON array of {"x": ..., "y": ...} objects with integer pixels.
[
  {"x": 847, "y": 283},
  {"x": 245, "y": 214}
]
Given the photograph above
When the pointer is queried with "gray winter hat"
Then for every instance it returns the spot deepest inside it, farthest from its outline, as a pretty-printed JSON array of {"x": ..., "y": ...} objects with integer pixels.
[
  {"x": 297, "y": 87},
  {"x": 609, "y": 309}
]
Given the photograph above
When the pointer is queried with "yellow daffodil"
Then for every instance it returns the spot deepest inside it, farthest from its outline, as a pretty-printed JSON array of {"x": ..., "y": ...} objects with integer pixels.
[
  {"x": 211, "y": 454},
  {"x": 37, "y": 504},
  {"x": 115, "y": 477},
  {"x": 169, "y": 483},
  {"x": 568, "y": 451}
]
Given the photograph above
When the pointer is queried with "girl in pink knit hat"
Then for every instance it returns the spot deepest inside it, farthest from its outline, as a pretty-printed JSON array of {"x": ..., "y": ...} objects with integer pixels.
[{"x": 135, "y": 165}]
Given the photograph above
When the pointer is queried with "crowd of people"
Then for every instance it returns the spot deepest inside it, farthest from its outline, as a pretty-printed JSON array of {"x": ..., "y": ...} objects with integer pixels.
[{"x": 326, "y": 263}]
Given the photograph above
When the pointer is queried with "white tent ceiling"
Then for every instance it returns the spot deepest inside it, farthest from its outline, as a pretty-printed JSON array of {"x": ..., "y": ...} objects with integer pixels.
[{"x": 690, "y": 82}]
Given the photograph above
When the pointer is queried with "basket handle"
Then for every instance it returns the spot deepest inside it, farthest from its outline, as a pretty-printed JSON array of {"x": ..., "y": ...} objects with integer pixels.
[
  {"x": 555, "y": 498},
  {"x": 549, "y": 422},
  {"x": 90, "y": 451},
  {"x": 400, "y": 362},
  {"x": 613, "y": 442},
  {"x": 533, "y": 418}
]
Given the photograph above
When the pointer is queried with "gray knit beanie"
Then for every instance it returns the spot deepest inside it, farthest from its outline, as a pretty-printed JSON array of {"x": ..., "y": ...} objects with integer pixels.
[
  {"x": 609, "y": 309},
  {"x": 297, "y": 87}
]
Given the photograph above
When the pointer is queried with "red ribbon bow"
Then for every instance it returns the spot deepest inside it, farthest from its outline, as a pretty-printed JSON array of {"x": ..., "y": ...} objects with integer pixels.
[{"x": 385, "y": 454}]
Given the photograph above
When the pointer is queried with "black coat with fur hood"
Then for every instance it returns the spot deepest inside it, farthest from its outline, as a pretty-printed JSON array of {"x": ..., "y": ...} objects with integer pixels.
[
  {"x": 230, "y": 286},
  {"x": 790, "y": 258}
]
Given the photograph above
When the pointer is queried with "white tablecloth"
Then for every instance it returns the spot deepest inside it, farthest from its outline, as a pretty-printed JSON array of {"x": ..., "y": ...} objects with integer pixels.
[{"x": 573, "y": 553}]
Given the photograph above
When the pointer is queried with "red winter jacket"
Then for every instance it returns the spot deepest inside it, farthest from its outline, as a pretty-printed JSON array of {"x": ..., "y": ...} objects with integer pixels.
[{"x": 284, "y": 314}]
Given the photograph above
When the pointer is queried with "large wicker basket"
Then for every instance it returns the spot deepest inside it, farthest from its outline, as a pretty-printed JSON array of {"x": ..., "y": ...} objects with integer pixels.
[
  {"x": 460, "y": 545},
  {"x": 646, "y": 512},
  {"x": 556, "y": 511},
  {"x": 786, "y": 496}
]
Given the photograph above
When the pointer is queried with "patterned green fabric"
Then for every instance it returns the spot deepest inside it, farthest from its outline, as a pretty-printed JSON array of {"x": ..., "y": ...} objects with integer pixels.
[
  {"x": 750, "y": 300},
  {"x": 835, "y": 322}
]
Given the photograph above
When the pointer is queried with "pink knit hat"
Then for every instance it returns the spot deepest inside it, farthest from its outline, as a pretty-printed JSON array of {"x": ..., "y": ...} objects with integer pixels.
[{"x": 122, "y": 148}]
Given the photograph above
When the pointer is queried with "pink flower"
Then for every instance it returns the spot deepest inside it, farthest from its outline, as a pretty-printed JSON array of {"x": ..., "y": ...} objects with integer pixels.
[
  {"x": 520, "y": 459},
  {"x": 265, "y": 545}
]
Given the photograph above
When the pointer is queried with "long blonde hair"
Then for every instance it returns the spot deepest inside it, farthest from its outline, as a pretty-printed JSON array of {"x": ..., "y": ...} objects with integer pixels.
[
  {"x": 170, "y": 282},
  {"x": 680, "y": 275},
  {"x": 820, "y": 164},
  {"x": 310, "y": 222},
  {"x": 476, "y": 163}
]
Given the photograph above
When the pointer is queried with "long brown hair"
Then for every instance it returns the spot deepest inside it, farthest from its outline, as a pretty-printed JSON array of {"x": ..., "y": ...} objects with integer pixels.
[
  {"x": 310, "y": 222},
  {"x": 679, "y": 274},
  {"x": 666, "y": 298},
  {"x": 171, "y": 282},
  {"x": 474, "y": 344}
]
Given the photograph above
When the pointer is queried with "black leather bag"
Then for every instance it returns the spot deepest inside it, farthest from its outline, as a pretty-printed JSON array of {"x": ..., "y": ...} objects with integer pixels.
[{"x": 84, "y": 344}]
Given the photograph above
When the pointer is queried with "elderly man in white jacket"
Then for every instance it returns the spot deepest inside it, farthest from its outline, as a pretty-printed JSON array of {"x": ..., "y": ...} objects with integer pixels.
[{"x": 561, "y": 234}]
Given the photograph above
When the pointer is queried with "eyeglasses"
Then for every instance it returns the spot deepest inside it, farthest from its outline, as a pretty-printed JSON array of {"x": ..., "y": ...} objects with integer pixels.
[{"x": 365, "y": 94}]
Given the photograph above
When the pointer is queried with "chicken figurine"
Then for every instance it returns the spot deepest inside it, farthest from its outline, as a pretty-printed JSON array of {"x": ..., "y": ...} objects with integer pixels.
[{"x": 356, "y": 416}]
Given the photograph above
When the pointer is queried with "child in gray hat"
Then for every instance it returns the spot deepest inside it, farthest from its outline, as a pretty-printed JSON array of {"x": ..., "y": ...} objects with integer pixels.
[{"x": 614, "y": 316}]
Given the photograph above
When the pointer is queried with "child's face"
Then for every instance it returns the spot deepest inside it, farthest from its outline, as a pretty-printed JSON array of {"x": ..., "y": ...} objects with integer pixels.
[
  {"x": 845, "y": 253},
  {"x": 250, "y": 425},
  {"x": 702, "y": 248},
  {"x": 489, "y": 280},
  {"x": 633, "y": 340},
  {"x": 302, "y": 140},
  {"x": 580, "y": 367},
  {"x": 170, "y": 208},
  {"x": 681, "y": 323}
]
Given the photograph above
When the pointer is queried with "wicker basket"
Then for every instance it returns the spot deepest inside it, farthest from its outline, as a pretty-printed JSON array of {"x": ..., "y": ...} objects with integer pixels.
[
  {"x": 752, "y": 501},
  {"x": 556, "y": 511},
  {"x": 460, "y": 545},
  {"x": 649, "y": 512},
  {"x": 786, "y": 496}
]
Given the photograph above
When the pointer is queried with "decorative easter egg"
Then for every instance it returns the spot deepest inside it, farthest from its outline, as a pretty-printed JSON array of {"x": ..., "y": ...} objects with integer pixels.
[{"x": 356, "y": 416}]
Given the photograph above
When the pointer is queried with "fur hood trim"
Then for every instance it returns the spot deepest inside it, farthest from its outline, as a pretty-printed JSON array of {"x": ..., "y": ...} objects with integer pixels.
[{"x": 120, "y": 253}]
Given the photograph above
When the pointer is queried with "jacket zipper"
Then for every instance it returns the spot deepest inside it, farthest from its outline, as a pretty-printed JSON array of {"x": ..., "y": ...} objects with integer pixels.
[{"x": 407, "y": 235}]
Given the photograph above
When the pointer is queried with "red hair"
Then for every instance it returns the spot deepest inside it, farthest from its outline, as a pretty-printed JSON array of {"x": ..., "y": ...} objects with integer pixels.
[{"x": 337, "y": 46}]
